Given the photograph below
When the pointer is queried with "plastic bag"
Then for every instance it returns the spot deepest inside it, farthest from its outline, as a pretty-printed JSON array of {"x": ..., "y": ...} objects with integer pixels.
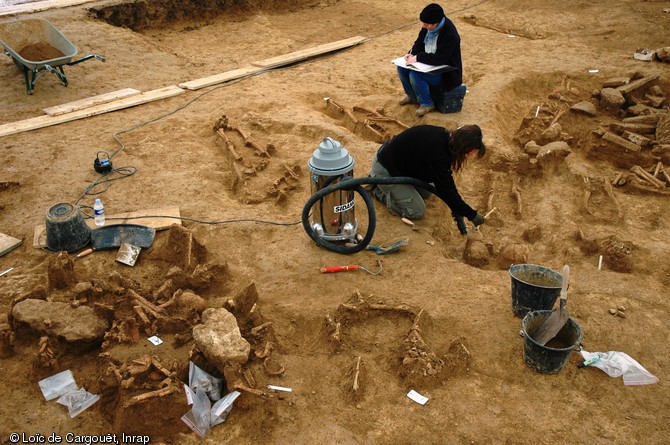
[
  {"x": 58, "y": 385},
  {"x": 197, "y": 378},
  {"x": 617, "y": 364},
  {"x": 203, "y": 389},
  {"x": 222, "y": 408},
  {"x": 203, "y": 415},
  {"x": 77, "y": 401}
]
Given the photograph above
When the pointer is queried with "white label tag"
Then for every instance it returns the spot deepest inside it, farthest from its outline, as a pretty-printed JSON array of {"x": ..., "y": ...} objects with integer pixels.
[
  {"x": 155, "y": 340},
  {"x": 418, "y": 398},
  {"x": 280, "y": 388}
]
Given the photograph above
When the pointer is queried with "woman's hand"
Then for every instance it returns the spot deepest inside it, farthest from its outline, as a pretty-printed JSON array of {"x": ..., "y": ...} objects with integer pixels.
[{"x": 410, "y": 58}]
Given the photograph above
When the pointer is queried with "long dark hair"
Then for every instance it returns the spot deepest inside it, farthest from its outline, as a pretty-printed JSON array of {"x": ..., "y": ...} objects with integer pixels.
[{"x": 463, "y": 140}]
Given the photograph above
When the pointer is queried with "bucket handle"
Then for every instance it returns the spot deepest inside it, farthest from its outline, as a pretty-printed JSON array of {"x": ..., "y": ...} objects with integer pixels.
[{"x": 577, "y": 347}]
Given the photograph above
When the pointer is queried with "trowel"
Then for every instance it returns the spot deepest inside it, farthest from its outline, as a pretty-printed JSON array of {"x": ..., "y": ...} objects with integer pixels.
[
  {"x": 112, "y": 236},
  {"x": 476, "y": 234},
  {"x": 558, "y": 317}
]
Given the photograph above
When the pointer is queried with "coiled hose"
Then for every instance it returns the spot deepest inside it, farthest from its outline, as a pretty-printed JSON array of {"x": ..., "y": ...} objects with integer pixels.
[{"x": 356, "y": 184}]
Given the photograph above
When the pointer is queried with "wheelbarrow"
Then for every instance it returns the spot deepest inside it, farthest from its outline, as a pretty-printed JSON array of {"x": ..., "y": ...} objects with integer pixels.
[{"x": 37, "y": 47}]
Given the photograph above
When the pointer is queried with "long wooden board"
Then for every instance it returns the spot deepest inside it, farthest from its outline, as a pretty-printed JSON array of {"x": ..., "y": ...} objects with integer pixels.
[
  {"x": 8, "y": 243},
  {"x": 90, "y": 101},
  {"x": 159, "y": 219},
  {"x": 220, "y": 78},
  {"x": 297, "y": 56},
  {"x": 273, "y": 62},
  {"x": 46, "y": 121},
  {"x": 40, "y": 6},
  {"x": 639, "y": 83}
]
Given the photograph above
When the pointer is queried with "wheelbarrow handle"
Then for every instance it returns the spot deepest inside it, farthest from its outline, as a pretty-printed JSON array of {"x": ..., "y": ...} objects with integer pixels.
[{"x": 90, "y": 56}]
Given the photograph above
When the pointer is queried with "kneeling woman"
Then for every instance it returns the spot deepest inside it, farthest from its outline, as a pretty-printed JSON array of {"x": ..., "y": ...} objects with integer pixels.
[{"x": 428, "y": 153}]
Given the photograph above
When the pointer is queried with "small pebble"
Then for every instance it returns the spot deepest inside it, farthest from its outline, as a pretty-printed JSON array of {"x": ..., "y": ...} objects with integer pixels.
[
  {"x": 612, "y": 311},
  {"x": 622, "y": 308},
  {"x": 620, "y": 314}
]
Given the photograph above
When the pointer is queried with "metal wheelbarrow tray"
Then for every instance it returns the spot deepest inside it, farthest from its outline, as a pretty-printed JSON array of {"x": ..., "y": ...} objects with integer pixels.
[{"x": 18, "y": 35}]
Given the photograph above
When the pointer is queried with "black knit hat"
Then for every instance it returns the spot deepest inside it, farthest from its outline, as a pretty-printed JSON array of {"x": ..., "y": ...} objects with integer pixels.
[{"x": 432, "y": 13}]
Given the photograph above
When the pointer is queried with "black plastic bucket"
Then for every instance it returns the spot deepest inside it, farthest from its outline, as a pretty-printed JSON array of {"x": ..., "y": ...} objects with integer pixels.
[
  {"x": 550, "y": 358},
  {"x": 66, "y": 228},
  {"x": 534, "y": 288}
]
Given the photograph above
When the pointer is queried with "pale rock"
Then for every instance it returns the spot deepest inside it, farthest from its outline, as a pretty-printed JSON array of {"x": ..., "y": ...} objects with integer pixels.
[
  {"x": 219, "y": 338},
  {"x": 553, "y": 153},
  {"x": 61, "y": 320}
]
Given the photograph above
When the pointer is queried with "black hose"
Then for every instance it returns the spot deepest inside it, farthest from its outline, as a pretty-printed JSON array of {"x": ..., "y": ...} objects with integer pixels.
[{"x": 356, "y": 184}]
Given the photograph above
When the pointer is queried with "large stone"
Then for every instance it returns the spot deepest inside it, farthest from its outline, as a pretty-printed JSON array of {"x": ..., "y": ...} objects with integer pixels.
[
  {"x": 219, "y": 338},
  {"x": 553, "y": 154},
  {"x": 551, "y": 134},
  {"x": 611, "y": 98},
  {"x": 532, "y": 148},
  {"x": 585, "y": 107},
  {"x": 61, "y": 320}
]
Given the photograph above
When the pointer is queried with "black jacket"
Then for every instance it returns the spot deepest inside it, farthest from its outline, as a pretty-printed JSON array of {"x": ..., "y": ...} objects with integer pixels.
[
  {"x": 448, "y": 53},
  {"x": 422, "y": 152}
]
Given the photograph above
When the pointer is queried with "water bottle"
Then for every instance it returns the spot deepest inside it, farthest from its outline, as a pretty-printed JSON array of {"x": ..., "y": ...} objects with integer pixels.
[{"x": 99, "y": 212}]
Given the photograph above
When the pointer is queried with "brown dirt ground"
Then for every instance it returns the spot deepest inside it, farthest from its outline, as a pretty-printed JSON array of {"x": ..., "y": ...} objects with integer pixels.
[{"x": 517, "y": 55}]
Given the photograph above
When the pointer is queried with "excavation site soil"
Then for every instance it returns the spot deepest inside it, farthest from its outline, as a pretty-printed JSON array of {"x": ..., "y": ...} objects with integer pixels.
[{"x": 577, "y": 130}]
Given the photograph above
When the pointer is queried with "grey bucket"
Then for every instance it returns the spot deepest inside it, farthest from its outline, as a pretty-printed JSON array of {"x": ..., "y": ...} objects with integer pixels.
[
  {"x": 549, "y": 358},
  {"x": 534, "y": 288},
  {"x": 66, "y": 229}
]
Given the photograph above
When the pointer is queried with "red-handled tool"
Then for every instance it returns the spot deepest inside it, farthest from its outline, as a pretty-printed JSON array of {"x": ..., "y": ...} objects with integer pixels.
[
  {"x": 84, "y": 253},
  {"x": 334, "y": 269}
]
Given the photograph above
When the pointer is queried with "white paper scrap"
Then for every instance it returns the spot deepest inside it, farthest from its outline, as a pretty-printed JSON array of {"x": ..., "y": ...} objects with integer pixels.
[
  {"x": 594, "y": 71},
  {"x": 155, "y": 340},
  {"x": 418, "y": 398},
  {"x": 280, "y": 388}
]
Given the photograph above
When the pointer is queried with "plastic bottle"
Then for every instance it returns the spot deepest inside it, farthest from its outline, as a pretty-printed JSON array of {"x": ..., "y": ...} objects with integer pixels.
[{"x": 99, "y": 212}]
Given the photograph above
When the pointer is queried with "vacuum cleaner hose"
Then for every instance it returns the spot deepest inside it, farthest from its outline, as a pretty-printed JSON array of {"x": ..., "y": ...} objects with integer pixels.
[{"x": 356, "y": 184}]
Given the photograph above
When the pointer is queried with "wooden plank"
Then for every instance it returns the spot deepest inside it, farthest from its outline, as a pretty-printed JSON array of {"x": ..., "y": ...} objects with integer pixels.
[
  {"x": 621, "y": 142},
  {"x": 159, "y": 219},
  {"x": 639, "y": 83},
  {"x": 40, "y": 6},
  {"x": 8, "y": 243},
  {"x": 297, "y": 56},
  {"x": 220, "y": 78},
  {"x": 90, "y": 101},
  {"x": 46, "y": 121}
]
